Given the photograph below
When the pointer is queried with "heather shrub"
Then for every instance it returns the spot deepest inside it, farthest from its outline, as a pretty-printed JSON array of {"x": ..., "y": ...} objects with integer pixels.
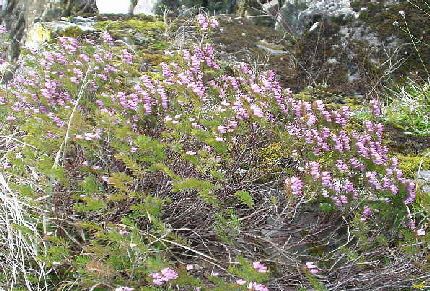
[{"x": 148, "y": 180}]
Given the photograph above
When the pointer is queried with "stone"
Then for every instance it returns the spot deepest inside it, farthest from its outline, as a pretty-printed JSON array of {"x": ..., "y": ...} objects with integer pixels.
[
  {"x": 18, "y": 16},
  {"x": 41, "y": 32},
  {"x": 37, "y": 35},
  {"x": 424, "y": 179},
  {"x": 297, "y": 14}
]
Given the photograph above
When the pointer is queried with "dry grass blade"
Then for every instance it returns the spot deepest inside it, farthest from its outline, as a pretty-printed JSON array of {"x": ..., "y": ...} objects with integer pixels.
[{"x": 19, "y": 242}]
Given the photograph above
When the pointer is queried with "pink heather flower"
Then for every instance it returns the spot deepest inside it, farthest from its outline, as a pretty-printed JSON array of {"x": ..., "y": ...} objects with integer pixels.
[
  {"x": 341, "y": 165},
  {"x": 222, "y": 129},
  {"x": 411, "y": 187},
  {"x": 107, "y": 38},
  {"x": 203, "y": 21},
  {"x": 133, "y": 150},
  {"x": 189, "y": 267},
  {"x": 215, "y": 274},
  {"x": 421, "y": 232},
  {"x": 257, "y": 287},
  {"x": 312, "y": 267},
  {"x": 344, "y": 199},
  {"x": 366, "y": 212},
  {"x": 326, "y": 179},
  {"x": 315, "y": 169},
  {"x": 240, "y": 282},
  {"x": 411, "y": 222},
  {"x": 126, "y": 57},
  {"x": 259, "y": 267},
  {"x": 164, "y": 275},
  {"x": 74, "y": 80},
  {"x": 213, "y": 23},
  {"x": 123, "y": 232},
  {"x": 169, "y": 274},
  {"x": 191, "y": 153},
  {"x": 295, "y": 184}
]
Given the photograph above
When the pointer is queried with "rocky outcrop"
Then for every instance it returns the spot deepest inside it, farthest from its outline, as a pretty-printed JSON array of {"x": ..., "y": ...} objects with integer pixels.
[
  {"x": 13, "y": 17},
  {"x": 354, "y": 45},
  {"x": 296, "y": 15},
  {"x": 17, "y": 16}
]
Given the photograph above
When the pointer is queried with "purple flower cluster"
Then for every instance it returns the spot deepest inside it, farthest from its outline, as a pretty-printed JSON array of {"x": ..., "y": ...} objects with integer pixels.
[
  {"x": 206, "y": 23},
  {"x": 322, "y": 132},
  {"x": 163, "y": 276},
  {"x": 259, "y": 267},
  {"x": 256, "y": 286},
  {"x": 46, "y": 91},
  {"x": 356, "y": 163},
  {"x": 295, "y": 184},
  {"x": 312, "y": 267}
]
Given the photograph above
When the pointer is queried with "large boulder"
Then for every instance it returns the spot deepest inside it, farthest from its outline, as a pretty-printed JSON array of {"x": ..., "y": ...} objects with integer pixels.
[
  {"x": 18, "y": 17},
  {"x": 299, "y": 14}
]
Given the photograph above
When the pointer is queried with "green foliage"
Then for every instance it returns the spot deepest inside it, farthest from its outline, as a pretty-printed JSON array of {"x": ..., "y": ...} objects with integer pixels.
[
  {"x": 227, "y": 225},
  {"x": 133, "y": 172},
  {"x": 205, "y": 189},
  {"x": 245, "y": 197},
  {"x": 408, "y": 107}
]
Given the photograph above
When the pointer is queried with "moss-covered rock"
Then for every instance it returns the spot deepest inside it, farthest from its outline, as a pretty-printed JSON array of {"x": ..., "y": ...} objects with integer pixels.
[
  {"x": 408, "y": 21},
  {"x": 139, "y": 24}
]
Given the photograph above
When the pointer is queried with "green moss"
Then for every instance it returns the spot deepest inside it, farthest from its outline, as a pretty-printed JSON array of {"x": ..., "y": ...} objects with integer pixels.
[
  {"x": 70, "y": 31},
  {"x": 142, "y": 31},
  {"x": 321, "y": 92},
  {"x": 410, "y": 165},
  {"x": 136, "y": 25},
  {"x": 270, "y": 156}
]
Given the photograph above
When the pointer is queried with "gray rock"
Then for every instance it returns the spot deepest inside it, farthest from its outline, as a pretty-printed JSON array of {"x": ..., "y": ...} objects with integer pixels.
[
  {"x": 17, "y": 16},
  {"x": 424, "y": 179}
]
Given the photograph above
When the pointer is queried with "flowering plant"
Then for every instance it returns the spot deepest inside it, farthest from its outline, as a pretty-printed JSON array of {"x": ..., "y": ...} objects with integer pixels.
[{"x": 121, "y": 154}]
